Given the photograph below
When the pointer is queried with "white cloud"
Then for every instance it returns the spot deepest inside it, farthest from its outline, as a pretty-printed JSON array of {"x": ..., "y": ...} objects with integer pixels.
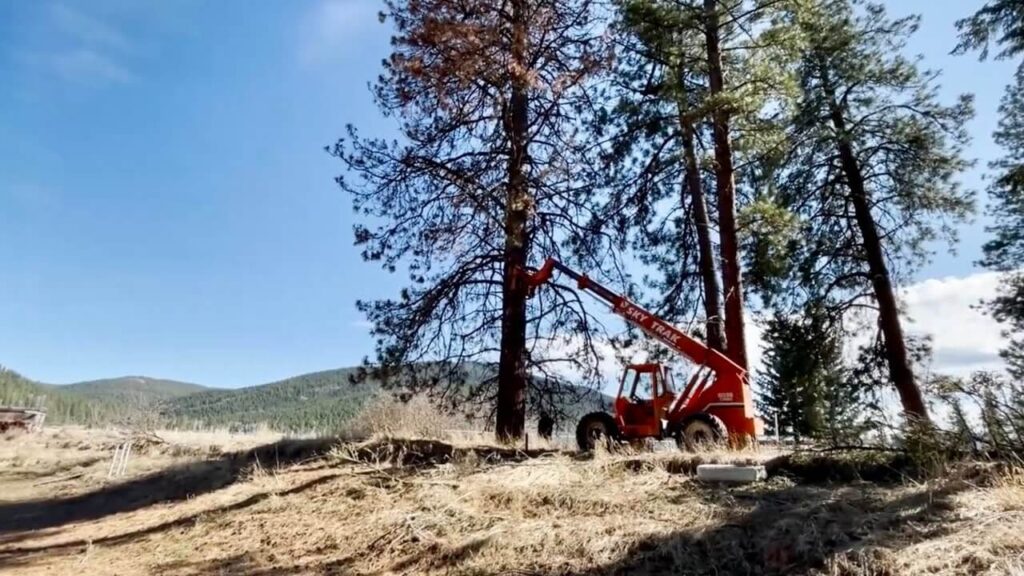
[
  {"x": 964, "y": 339},
  {"x": 87, "y": 29},
  {"x": 90, "y": 66},
  {"x": 83, "y": 49},
  {"x": 333, "y": 28}
]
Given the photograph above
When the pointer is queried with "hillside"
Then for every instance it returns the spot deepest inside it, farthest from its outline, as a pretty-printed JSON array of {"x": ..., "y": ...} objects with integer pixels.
[
  {"x": 315, "y": 402},
  {"x": 61, "y": 407},
  {"x": 131, "y": 391},
  {"x": 307, "y": 402},
  {"x": 92, "y": 403},
  {"x": 320, "y": 401}
]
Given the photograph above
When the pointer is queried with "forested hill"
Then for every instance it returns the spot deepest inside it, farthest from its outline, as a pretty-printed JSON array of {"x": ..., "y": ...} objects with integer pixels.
[
  {"x": 320, "y": 401},
  {"x": 61, "y": 406},
  {"x": 134, "y": 390},
  {"x": 317, "y": 401}
]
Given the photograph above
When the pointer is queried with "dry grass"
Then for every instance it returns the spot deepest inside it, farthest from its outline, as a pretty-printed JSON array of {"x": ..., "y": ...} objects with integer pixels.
[
  {"x": 386, "y": 417},
  {"x": 416, "y": 418},
  {"x": 391, "y": 506},
  {"x": 36, "y": 465},
  {"x": 418, "y": 498}
]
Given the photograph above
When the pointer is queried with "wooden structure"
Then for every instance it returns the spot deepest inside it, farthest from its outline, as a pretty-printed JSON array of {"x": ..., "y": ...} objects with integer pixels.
[{"x": 14, "y": 418}]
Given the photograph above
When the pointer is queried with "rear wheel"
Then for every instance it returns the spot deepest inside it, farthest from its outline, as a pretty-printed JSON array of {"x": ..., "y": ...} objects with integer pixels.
[
  {"x": 594, "y": 429},
  {"x": 700, "y": 431}
]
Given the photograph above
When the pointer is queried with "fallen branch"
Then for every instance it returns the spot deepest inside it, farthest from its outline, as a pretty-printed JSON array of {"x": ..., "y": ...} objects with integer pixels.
[
  {"x": 850, "y": 449},
  {"x": 61, "y": 479}
]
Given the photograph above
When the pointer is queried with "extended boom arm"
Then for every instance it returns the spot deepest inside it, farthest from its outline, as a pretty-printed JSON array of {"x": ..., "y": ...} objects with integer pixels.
[
  {"x": 689, "y": 347},
  {"x": 729, "y": 397}
]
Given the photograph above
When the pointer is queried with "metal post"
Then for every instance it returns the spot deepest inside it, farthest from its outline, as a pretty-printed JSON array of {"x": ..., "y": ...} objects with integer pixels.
[
  {"x": 114, "y": 461},
  {"x": 778, "y": 438},
  {"x": 119, "y": 464},
  {"x": 124, "y": 458}
]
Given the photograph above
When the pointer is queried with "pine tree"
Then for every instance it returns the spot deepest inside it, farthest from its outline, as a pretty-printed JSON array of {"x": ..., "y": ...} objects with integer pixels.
[
  {"x": 725, "y": 183},
  {"x": 488, "y": 97},
  {"x": 653, "y": 131},
  {"x": 999, "y": 22},
  {"x": 871, "y": 172},
  {"x": 660, "y": 133},
  {"x": 1002, "y": 23},
  {"x": 803, "y": 375}
]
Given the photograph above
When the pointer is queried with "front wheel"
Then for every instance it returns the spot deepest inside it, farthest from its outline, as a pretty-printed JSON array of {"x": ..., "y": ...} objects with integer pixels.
[
  {"x": 595, "y": 429},
  {"x": 700, "y": 431}
]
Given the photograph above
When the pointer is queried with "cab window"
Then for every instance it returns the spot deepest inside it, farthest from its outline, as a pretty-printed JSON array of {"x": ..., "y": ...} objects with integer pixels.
[{"x": 643, "y": 386}]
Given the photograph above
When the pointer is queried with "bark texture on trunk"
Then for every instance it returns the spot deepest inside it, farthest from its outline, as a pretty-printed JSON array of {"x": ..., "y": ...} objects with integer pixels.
[
  {"x": 732, "y": 281},
  {"x": 881, "y": 281},
  {"x": 512, "y": 374},
  {"x": 709, "y": 276}
]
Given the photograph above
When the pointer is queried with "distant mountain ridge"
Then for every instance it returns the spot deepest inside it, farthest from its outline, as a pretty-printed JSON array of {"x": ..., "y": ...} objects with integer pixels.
[
  {"x": 315, "y": 401},
  {"x": 61, "y": 406},
  {"x": 318, "y": 401},
  {"x": 142, "y": 387}
]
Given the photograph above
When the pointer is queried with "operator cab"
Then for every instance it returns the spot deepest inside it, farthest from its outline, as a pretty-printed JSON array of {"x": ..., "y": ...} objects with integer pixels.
[{"x": 645, "y": 393}]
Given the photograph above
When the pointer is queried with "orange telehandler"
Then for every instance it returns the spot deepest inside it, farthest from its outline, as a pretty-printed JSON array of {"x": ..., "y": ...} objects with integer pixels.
[{"x": 715, "y": 405}]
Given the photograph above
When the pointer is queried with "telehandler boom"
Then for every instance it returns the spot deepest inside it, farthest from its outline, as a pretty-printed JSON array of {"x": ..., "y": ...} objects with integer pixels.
[{"x": 715, "y": 405}]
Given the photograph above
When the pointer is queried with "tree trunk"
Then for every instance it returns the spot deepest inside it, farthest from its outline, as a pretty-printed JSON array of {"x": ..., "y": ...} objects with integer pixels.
[
  {"x": 888, "y": 312},
  {"x": 693, "y": 185},
  {"x": 732, "y": 281},
  {"x": 512, "y": 376}
]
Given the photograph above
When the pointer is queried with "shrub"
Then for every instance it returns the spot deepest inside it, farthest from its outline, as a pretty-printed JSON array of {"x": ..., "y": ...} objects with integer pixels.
[{"x": 412, "y": 417}]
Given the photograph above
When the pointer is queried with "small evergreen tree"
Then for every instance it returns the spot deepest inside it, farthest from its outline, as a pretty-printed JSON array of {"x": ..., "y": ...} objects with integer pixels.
[{"x": 802, "y": 378}]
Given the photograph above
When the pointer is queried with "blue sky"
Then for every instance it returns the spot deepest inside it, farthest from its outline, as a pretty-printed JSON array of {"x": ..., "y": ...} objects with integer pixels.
[{"x": 166, "y": 207}]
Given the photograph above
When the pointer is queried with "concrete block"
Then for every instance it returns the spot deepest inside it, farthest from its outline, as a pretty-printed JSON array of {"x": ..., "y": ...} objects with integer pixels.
[{"x": 731, "y": 473}]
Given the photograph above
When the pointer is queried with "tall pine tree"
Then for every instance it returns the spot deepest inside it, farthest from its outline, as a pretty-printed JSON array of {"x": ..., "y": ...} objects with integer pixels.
[
  {"x": 483, "y": 182},
  {"x": 872, "y": 170},
  {"x": 715, "y": 11},
  {"x": 652, "y": 133},
  {"x": 677, "y": 134},
  {"x": 1002, "y": 23}
]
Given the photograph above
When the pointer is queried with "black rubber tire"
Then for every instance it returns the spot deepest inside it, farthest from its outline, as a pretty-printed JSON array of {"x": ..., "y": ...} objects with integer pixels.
[
  {"x": 700, "y": 431},
  {"x": 594, "y": 428}
]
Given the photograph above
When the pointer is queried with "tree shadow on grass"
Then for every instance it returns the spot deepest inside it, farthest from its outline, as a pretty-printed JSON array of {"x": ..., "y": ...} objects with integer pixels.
[
  {"x": 436, "y": 558},
  {"x": 21, "y": 556},
  {"x": 846, "y": 529},
  {"x": 248, "y": 565},
  {"x": 20, "y": 521},
  {"x": 61, "y": 468},
  {"x": 172, "y": 484}
]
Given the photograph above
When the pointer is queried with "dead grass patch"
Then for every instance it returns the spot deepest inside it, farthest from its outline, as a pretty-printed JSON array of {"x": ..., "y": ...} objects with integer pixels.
[
  {"x": 394, "y": 506},
  {"x": 417, "y": 417}
]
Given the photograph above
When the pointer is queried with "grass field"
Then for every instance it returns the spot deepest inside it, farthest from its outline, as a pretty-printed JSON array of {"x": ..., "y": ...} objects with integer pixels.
[{"x": 221, "y": 504}]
